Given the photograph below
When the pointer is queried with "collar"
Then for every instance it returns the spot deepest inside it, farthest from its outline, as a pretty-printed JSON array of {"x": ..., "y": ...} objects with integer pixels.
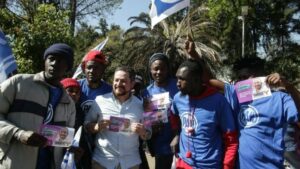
[
  {"x": 117, "y": 100},
  {"x": 207, "y": 92},
  {"x": 40, "y": 78}
]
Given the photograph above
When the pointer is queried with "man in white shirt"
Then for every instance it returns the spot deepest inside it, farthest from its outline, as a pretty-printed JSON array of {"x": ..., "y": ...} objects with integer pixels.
[{"x": 116, "y": 146}]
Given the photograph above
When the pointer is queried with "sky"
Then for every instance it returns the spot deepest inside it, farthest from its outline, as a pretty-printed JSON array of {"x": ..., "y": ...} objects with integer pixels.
[
  {"x": 134, "y": 8},
  {"x": 128, "y": 8}
]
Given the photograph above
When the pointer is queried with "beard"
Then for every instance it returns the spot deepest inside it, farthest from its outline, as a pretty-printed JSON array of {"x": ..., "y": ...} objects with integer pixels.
[
  {"x": 183, "y": 91},
  {"x": 120, "y": 92}
]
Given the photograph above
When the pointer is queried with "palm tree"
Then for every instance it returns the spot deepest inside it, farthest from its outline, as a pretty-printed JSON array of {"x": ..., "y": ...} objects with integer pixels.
[{"x": 169, "y": 37}]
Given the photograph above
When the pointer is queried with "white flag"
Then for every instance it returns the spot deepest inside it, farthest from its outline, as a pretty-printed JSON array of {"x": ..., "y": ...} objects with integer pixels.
[
  {"x": 68, "y": 160},
  {"x": 98, "y": 47},
  {"x": 161, "y": 9}
]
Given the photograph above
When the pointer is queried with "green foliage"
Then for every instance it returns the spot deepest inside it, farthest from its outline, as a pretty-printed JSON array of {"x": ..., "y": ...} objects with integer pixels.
[
  {"x": 114, "y": 51},
  {"x": 84, "y": 39},
  {"x": 87, "y": 38},
  {"x": 48, "y": 26},
  {"x": 169, "y": 37},
  {"x": 288, "y": 65},
  {"x": 268, "y": 28},
  {"x": 34, "y": 25},
  {"x": 225, "y": 13},
  {"x": 103, "y": 26},
  {"x": 6, "y": 21}
]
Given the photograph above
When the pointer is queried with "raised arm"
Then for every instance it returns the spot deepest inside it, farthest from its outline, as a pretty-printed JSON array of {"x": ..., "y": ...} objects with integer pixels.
[
  {"x": 277, "y": 80},
  {"x": 193, "y": 54}
]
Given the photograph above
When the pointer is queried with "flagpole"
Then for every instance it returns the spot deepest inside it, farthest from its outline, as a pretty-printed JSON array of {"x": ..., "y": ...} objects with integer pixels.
[{"x": 190, "y": 31}]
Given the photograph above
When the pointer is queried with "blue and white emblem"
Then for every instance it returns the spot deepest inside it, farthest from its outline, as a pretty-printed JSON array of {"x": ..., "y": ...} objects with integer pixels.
[
  {"x": 188, "y": 121},
  {"x": 49, "y": 115},
  {"x": 86, "y": 105},
  {"x": 248, "y": 116}
]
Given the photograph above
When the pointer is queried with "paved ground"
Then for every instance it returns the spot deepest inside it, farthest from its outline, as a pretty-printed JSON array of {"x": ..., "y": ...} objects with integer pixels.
[{"x": 288, "y": 165}]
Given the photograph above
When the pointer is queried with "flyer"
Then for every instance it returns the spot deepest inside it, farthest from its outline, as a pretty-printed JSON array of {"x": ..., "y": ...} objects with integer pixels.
[
  {"x": 154, "y": 116},
  {"x": 157, "y": 102},
  {"x": 57, "y": 136},
  {"x": 156, "y": 108},
  {"x": 119, "y": 124},
  {"x": 252, "y": 89}
]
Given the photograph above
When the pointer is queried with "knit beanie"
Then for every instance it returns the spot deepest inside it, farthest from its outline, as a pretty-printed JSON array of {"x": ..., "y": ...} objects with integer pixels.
[
  {"x": 94, "y": 55},
  {"x": 159, "y": 56},
  {"x": 61, "y": 49},
  {"x": 69, "y": 82}
]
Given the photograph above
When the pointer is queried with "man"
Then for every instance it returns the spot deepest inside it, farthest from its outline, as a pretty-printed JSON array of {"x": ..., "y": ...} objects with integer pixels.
[
  {"x": 261, "y": 133},
  {"x": 208, "y": 137},
  {"x": 117, "y": 149},
  {"x": 26, "y": 102},
  {"x": 138, "y": 87},
  {"x": 162, "y": 82},
  {"x": 83, "y": 158},
  {"x": 63, "y": 133},
  {"x": 93, "y": 66},
  {"x": 261, "y": 145},
  {"x": 257, "y": 86},
  {"x": 262, "y": 122}
]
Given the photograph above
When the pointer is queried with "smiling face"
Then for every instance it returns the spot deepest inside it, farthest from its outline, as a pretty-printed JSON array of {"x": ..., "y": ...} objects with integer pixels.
[
  {"x": 122, "y": 84},
  {"x": 94, "y": 71},
  {"x": 257, "y": 85},
  {"x": 55, "y": 68},
  {"x": 159, "y": 72},
  {"x": 63, "y": 133}
]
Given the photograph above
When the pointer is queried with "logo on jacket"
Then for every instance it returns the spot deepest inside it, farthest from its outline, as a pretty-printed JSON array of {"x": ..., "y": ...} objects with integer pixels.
[
  {"x": 248, "y": 116},
  {"x": 188, "y": 121},
  {"x": 85, "y": 106},
  {"x": 49, "y": 115}
]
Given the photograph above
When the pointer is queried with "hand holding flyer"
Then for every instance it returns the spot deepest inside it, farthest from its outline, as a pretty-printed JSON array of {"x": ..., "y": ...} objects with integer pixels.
[
  {"x": 57, "y": 136},
  {"x": 252, "y": 89}
]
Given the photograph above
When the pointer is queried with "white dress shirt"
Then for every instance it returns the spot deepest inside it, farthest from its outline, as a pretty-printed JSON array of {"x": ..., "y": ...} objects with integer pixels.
[{"x": 114, "y": 148}]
